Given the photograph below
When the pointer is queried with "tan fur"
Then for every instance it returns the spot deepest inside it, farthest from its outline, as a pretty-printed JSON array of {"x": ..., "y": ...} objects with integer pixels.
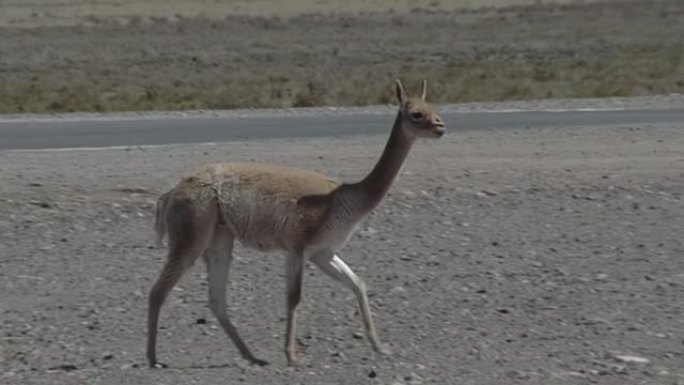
[
  {"x": 265, "y": 206},
  {"x": 307, "y": 215}
]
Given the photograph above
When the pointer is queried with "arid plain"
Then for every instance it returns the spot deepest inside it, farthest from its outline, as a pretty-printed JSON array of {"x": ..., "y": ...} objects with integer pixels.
[{"x": 541, "y": 255}]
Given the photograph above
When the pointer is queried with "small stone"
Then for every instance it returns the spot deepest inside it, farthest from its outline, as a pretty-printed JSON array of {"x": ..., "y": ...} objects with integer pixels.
[
  {"x": 132, "y": 190},
  {"x": 518, "y": 375},
  {"x": 414, "y": 379},
  {"x": 368, "y": 232},
  {"x": 64, "y": 367},
  {"x": 619, "y": 369},
  {"x": 632, "y": 359},
  {"x": 201, "y": 321},
  {"x": 397, "y": 289},
  {"x": 372, "y": 374},
  {"x": 42, "y": 204}
]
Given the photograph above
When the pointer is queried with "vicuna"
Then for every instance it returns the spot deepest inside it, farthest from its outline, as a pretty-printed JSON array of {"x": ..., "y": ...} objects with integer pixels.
[{"x": 306, "y": 215}]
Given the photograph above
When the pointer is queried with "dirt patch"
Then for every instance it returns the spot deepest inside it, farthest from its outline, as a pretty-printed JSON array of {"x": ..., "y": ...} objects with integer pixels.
[
  {"x": 511, "y": 53},
  {"x": 539, "y": 255}
]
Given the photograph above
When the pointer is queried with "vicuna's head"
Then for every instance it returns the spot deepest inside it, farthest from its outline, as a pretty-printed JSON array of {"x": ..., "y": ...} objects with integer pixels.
[{"x": 419, "y": 120}]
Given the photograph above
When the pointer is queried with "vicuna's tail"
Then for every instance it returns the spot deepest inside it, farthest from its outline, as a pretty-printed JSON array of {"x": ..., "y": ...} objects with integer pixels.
[{"x": 160, "y": 219}]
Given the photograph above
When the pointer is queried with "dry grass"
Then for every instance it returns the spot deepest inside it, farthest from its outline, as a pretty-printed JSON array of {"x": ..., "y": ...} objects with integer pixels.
[
  {"x": 239, "y": 61},
  {"x": 31, "y": 13}
]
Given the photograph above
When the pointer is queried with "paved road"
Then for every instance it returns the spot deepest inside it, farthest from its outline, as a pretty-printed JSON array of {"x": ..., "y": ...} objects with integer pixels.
[{"x": 15, "y": 135}]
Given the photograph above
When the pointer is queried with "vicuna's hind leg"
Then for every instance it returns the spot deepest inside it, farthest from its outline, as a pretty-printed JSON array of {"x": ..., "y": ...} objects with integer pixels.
[
  {"x": 170, "y": 275},
  {"x": 218, "y": 258},
  {"x": 189, "y": 233},
  {"x": 160, "y": 219}
]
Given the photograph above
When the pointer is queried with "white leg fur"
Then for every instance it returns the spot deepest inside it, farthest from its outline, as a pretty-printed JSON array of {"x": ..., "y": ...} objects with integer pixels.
[{"x": 335, "y": 267}]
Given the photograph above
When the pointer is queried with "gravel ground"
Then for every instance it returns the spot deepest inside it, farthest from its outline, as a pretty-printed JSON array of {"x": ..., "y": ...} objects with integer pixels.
[{"x": 547, "y": 256}]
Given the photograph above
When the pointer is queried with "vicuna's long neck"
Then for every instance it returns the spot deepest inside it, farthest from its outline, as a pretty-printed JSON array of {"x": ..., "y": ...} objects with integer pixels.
[{"x": 370, "y": 191}]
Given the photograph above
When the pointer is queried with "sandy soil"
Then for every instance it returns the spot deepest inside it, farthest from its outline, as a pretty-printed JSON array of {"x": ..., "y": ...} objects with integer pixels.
[{"x": 535, "y": 256}]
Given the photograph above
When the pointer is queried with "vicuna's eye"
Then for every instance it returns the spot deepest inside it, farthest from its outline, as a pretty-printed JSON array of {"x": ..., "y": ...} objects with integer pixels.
[{"x": 417, "y": 115}]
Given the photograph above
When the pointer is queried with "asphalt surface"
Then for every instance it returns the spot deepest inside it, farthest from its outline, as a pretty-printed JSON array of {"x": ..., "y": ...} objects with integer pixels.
[{"x": 72, "y": 133}]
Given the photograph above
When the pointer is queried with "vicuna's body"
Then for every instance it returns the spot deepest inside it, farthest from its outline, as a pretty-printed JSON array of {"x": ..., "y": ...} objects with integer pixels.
[
  {"x": 306, "y": 215},
  {"x": 265, "y": 207}
]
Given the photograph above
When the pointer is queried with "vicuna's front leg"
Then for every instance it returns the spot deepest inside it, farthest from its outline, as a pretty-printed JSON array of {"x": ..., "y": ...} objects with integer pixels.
[
  {"x": 218, "y": 258},
  {"x": 335, "y": 267},
  {"x": 294, "y": 269}
]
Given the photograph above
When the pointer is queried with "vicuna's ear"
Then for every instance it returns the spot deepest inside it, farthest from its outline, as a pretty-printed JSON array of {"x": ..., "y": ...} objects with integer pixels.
[
  {"x": 400, "y": 91},
  {"x": 423, "y": 91}
]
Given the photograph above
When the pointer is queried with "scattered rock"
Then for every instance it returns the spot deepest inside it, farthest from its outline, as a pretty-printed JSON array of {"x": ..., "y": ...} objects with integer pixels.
[
  {"x": 42, "y": 204},
  {"x": 632, "y": 359},
  {"x": 413, "y": 379},
  {"x": 201, "y": 321},
  {"x": 517, "y": 375},
  {"x": 619, "y": 369},
  {"x": 368, "y": 232},
  {"x": 575, "y": 374},
  {"x": 132, "y": 190},
  {"x": 397, "y": 290},
  {"x": 64, "y": 367},
  {"x": 372, "y": 374}
]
